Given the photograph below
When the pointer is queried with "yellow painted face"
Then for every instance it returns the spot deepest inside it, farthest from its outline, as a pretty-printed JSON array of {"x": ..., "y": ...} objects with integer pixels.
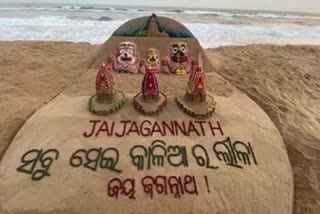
[{"x": 153, "y": 56}]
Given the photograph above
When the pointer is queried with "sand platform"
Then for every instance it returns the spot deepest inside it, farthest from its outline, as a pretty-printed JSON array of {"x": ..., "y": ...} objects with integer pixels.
[{"x": 66, "y": 159}]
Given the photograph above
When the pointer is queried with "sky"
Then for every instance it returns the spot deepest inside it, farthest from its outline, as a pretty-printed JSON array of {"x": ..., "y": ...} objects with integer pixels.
[{"x": 312, "y": 6}]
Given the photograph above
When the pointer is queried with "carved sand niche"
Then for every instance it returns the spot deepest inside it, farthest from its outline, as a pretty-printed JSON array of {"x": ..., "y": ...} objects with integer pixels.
[{"x": 67, "y": 160}]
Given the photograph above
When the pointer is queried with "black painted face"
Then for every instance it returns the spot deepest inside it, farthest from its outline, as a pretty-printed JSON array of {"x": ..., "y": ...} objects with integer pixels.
[{"x": 179, "y": 52}]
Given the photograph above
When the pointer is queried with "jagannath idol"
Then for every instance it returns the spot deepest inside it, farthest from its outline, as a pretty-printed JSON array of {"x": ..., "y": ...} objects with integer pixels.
[
  {"x": 126, "y": 59},
  {"x": 107, "y": 99},
  {"x": 179, "y": 62},
  {"x": 196, "y": 102},
  {"x": 150, "y": 101}
]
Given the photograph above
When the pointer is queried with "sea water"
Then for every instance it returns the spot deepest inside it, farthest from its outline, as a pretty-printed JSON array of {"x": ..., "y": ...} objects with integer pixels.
[{"x": 213, "y": 28}]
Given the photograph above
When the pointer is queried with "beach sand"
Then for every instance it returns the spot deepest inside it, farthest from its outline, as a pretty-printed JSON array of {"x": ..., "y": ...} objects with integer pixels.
[
  {"x": 31, "y": 75},
  {"x": 284, "y": 81}
]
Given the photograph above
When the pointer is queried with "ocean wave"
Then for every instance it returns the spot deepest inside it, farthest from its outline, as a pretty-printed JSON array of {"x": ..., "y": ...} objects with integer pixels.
[
  {"x": 75, "y": 8},
  {"x": 28, "y": 9},
  {"x": 250, "y": 15},
  {"x": 96, "y": 9},
  {"x": 62, "y": 28},
  {"x": 70, "y": 7},
  {"x": 102, "y": 18},
  {"x": 53, "y": 28},
  {"x": 58, "y": 21},
  {"x": 189, "y": 12},
  {"x": 93, "y": 18}
]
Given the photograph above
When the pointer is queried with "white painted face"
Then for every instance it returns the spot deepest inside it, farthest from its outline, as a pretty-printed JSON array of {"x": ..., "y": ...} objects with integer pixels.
[{"x": 127, "y": 52}]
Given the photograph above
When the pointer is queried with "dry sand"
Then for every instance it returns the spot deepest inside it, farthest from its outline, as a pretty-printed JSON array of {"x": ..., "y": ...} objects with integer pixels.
[
  {"x": 32, "y": 74},
  {"x": 284, "y": 81}
]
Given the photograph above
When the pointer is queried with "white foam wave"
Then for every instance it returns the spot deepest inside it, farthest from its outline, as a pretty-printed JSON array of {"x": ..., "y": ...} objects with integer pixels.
[
  {"x": 214, "y": 35},
  {"x": 56, "y": 29},
  {"x": 60, "y": 28},
  {"x": 249, "y": 15}
]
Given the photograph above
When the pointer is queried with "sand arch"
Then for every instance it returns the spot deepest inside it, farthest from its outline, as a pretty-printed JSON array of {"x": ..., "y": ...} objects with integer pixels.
[{"x": 173, "y": 28}]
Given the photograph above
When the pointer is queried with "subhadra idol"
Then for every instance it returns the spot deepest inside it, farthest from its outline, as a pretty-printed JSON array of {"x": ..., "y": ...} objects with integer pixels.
[
  {"x": 150, "y": 101},
  {"x": 107, "y": 99},
  {"x": 196, "y": 102}
]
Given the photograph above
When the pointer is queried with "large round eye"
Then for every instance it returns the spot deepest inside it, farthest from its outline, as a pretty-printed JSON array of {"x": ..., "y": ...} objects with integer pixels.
[
  {"x": 175, "y": 50},
  {"x": 122, "y": 51},
  {"x": 183, "y": 49},
  {"x": 130, "y": 51}
]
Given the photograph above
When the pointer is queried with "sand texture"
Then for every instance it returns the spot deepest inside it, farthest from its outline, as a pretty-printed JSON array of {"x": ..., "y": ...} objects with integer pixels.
[
  {"x": 264, "y": 186},
  {"x": 283, "y": 80},
  {"x": 32, "y": 74}
]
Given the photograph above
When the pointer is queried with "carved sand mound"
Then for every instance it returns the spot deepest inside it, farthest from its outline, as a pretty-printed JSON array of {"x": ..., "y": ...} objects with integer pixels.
[
  {"x": 66, "y": 159},
  {"x": 177, "y": 34}
]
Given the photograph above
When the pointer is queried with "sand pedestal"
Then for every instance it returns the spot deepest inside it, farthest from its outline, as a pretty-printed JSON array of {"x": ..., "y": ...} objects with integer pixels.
[
  {"x": 105, "y": 108},
  {"x": 150, "y": 108},
  {"x": 197, "y": 110}
]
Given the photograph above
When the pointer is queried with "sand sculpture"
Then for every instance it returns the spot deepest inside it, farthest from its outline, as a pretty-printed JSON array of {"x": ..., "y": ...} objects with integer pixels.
[
  {"x": 67, "y": 160},
  {"x": 150, "y": 101},
  {"x": 174, "y": 43},
  {"x": 179, "y": 61},
  {"x": 126, "y": 59},
  {"x": 196, "y": 102},
  {"x": 107, "y": 99},
  {"x": 153, "y": 60},
  {"x": 153, "y": 28}
]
